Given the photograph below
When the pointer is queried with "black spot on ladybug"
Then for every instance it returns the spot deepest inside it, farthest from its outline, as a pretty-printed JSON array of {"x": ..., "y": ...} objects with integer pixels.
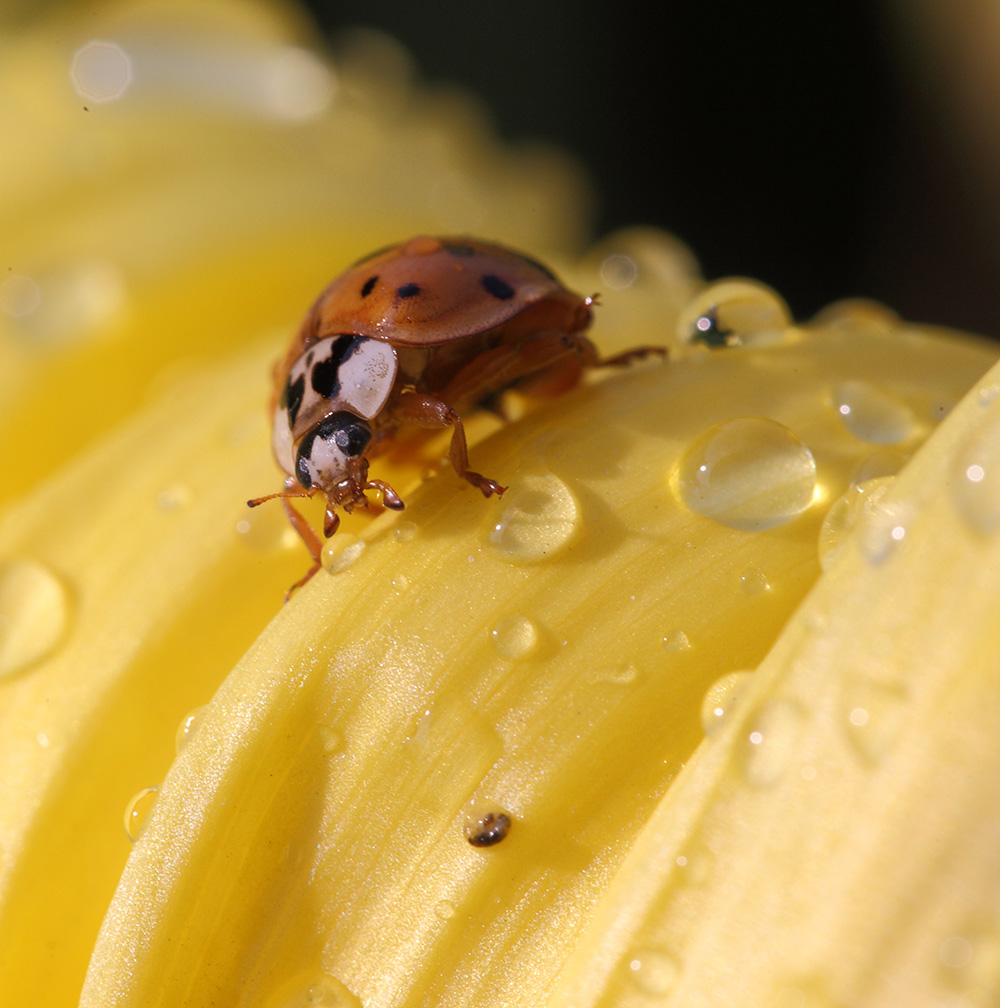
[
  {"x": 369, "y": 285},
  {"x": 488, "y": 829},
  {"x": 350, "y": 433},
  {"x": 500, "y": 289},
  {"x": 408, "y": 290},
  {"x": 325, "y": 375},
  {"x": 460, "y": 250},
  {"x": 291, "y": 397}
]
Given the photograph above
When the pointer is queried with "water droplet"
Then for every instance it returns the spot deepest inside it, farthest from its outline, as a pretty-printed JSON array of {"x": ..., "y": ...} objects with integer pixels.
[
  {"x": 653, "y": 970},
  {"x": 34, "y": 614},
  {"x": 872, "y": 413},
  {"x": 315, "y": 990},
  {"x": 771, "y": 742},
  {"x": 401, "y": 582},
  {"x": 330, "y": 739},
  {"x": 846, "y": 513},
  {"x": 879, "y": 463},
  {"x": 975, "y": 479},
  {"x": 539, "y": 520},
  {"x": 101, "y": 71},
  {"x": 137, "y": 812},
  {"x": 675, "y": 641},
  {"x": 619, "y": 272},
  {"x": 515, "y": 637},
  {"x": 874, "y": 713},
  {"x": 404, "y": 531},
  {"x": 342, "y": 551},
  {"x": 746, "y": 474},
  {"x": 265, "y": 530},
  {"x": 486, "y": 826},
  {"x": 187, "y": 728},
  {"x": 617, "y": 675},
  {"x": 174, "y": 497},
  {"x": 883, "y": 528},
  {"x": 732, "y": 313},
  {"x": 956, "y": 952},
  {"x": 857, "y": 314},
  {"x": 754, "y": 581},
  {"x": 444, "y": 909},
  {"x": 721, "y": 698}
]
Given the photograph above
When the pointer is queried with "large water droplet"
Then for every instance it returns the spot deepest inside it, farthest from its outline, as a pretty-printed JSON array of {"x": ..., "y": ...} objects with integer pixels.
[
  {"x": 975, "y": 479},
  {"x": 771, "y": 742},
  {"x": 746, "y": 474},
  {"x": 846, "y": 513},
  {"x": 34, "y": 614},
  {"x": 515, "y": 637},
  {"x": 653, "y": 970},
  {"x": 721, "y": 698},
  {"x": 539, "y": 520},
  {"x": 872, "y": 413},
  {"x": 137, "y": 812},
  {"x": 734, "y": 312}
]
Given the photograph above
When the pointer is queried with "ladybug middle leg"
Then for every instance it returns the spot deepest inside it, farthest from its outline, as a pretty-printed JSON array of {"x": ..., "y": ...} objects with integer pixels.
[{"x": 430, "y": 413}]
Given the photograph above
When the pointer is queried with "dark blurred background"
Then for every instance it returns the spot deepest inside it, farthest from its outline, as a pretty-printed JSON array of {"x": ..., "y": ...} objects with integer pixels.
[{"x": 792, "y": 142}]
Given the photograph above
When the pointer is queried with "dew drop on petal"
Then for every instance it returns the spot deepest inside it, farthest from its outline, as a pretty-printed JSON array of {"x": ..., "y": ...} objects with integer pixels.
[
  {"x": 404, "y": 531},
  {"x": 315, "y": 990},
  {"x": 753, "y": 581},
  {"x": 873, "y": 713},
  {"x": 883, "y": 528},
  {"x": 721, "y": 699},
  {"x": 975, "y": 480},
  {"x": 187, "y": 728},
  {"x": 444, "y": 909},
  {"x": 342, "y": 552},
  {"x": 872, "y": 413},
  {"x": 540, "y": 518},
  {"x": 101, "y": 71},
  {"x": 515, "y": 637},
  {"x": 746, "y": 473},
  {"x": 771, "y": 741},
  {"x": 676, "y": 641},
  {"x": 137, "y": 811},
  {"x": 652, "y": 970},
  {"x": 34, "y": 614},
  {"x": 734, "y": 312},
  {"x": 846, "y": 513}
]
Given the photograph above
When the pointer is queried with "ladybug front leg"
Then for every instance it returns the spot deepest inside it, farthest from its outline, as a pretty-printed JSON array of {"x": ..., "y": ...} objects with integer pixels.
[
  {"x": 308, "y": 535},
  {"x": 430, "y": 413}
]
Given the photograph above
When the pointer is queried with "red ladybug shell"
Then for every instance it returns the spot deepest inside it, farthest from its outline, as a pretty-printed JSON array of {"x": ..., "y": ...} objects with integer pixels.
[{"x": 428, "y": 291}]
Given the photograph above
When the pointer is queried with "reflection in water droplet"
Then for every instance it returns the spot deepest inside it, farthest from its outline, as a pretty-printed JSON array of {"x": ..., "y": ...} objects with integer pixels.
[
  {"x": 732, "y": 313},
  {"x": 746, "y": 474},
  {"x": 653, "y": 970},
  {"x": 975, "y": 479},
  {"x": 872, "y": 413},
  {"x": 101, "y": 71},
  {"x": 874, "y": 713},
  {"x": 515, "y": 637},
  {"x": 137, "y": 812},
  {"x": 539, "y": 520},
  {"x": 721, "y": 698},
  {"x": 675, "y": 641},
  {"x": 846, "y": 513},
  {"x": 315, "y": 990},
  {"x": 187, "y": 728},
  {"x": 753, "y": 581},
  {"x": 34, "y": 614},
  {"x": 771, "y": 742}
]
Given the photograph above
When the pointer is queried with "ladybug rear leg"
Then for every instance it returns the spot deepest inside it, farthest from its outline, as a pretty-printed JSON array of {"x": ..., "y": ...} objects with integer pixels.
[{"x": 431, "y": 414}]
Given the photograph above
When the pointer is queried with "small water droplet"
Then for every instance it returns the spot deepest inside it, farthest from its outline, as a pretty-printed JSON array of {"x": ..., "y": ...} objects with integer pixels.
[
  {"x": 101, "y": 71},
  {"x": 874, "y": 713},
  {"x": 404, "y": 531},
  {"x": 342, "y": 552},
  {"x": 174, "y": 497},
  {"x": 857, "y": 315},
  {"x": 675, "y": 641},
  {"x": 400, "y": 582},
  {"x": 653, "y": 970},
  {"x": 771, "y": 742},
  {"x": 515, "y": 637},
  {"x": 617, "y": 675},
  {"x": 975, "y": 479},
  {"x": 721, "y": 698},
  {"x": 315, "y": 990},
  {"x": 848, "y": 511},
  {"x": 540, "y": 519},
  {"x": 330, "y": 739},
  {"x": 487, "y": 825},
  {"x": 137, "y": 812},
  {"x": 872, "y": 413},
  {"x": 883, "y": 462},
  {"x": 754, "y": 581},
  {"x": 734, "y": 312},
  {"x": 34, "y": 614},
  {"x": 187, "y": 728},
  {"x": 883, "y": 528},
  {"x": 265, "y": 530},
  {"x": 444, "y": 909},
  {"x": 746, "y": 474}
]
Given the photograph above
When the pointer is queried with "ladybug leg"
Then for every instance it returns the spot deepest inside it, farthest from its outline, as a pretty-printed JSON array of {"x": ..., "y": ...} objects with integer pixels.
[
  {"x": 308, "y": 535},
  {"x": 636, "y": 353},
  {"x": 430, "y": 413},
  {"x": 390, "y": 499}
]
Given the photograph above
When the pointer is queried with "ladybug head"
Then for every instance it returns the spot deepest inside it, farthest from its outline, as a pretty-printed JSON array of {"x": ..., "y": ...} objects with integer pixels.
[{"x": 331, "y": 457}]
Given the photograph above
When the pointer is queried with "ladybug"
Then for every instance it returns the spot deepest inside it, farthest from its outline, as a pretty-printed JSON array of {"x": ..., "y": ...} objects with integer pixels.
[{"x": 417, "y": 334}]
